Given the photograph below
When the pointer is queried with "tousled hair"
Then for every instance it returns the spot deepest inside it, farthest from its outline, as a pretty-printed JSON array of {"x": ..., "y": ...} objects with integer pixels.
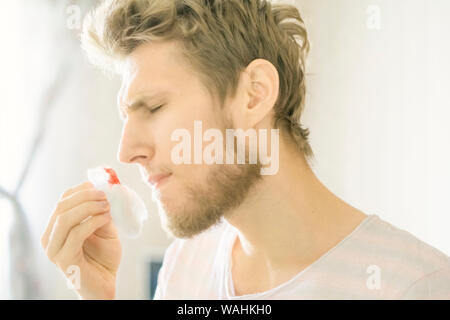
[{"x": 219, "y": 38}]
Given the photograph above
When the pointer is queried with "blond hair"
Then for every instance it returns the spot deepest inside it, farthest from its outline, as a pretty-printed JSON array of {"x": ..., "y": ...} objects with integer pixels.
[{"x": 219, "y": 37}]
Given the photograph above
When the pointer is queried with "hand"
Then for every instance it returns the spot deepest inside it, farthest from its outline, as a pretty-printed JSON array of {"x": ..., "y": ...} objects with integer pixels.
[{"x": 81, "y": 233}]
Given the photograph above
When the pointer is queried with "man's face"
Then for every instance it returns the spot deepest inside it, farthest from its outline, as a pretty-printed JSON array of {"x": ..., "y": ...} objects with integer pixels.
[{"x": 194, "y": 196}]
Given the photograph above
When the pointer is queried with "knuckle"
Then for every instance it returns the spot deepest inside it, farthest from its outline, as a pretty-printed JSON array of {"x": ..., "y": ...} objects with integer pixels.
[
  {"x": 56, "y": 207},
  {"x": 75, "y": 233},
  {"x": 66, "y": 193},
  {"x": 50, "y": 256},
  {"x": 60, "y": 221},
  {"x": 86, "y": 185},
  {"x": 61, "y": 200},
  {"x": 92, "y": 208},
  {"x": 102, "y": 205},
  {"x": 91, "y": 194},
  {"x": 81, "y": 186},
  {"x": 98, "y": 206},
  {"x": 43, "y": 241},
  {"x": 93, "y": 222},
  {"x": 94, "y": 192}
]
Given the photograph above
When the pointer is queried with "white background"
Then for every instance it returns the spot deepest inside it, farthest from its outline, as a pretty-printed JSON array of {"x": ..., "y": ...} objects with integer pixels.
[{"x": 377, "y": 107}]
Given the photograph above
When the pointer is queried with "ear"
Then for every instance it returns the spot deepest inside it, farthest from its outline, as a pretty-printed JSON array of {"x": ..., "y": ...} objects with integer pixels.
[{"x": 262, "y": 90}]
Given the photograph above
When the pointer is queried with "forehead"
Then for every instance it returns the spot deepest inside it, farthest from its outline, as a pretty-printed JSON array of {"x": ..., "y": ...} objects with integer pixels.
[{"x": 151, "y": 69}]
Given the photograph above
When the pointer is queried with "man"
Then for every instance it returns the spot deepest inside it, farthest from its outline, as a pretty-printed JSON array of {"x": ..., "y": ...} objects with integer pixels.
[{"x": 242, "y": 232}]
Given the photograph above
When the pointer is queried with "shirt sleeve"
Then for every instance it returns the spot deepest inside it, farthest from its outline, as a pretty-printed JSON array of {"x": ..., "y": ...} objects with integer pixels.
[
  {"x": 164, "y": 271},
  {"x": 433, "y": 286}
]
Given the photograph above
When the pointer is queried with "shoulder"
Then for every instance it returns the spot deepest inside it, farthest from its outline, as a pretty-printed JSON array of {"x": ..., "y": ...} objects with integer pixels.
[
  {"x": 402, "y": 246},
  {"x": 434, "y": 285},
  {"x": 407, "y": 263}
]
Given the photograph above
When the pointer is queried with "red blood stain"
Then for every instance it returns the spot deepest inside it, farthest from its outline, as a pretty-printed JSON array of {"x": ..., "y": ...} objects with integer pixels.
[{"x": 112, "y": 176}]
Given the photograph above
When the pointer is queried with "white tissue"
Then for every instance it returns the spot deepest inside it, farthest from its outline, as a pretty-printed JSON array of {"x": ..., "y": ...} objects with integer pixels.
[{"x": 127, "y": 209}]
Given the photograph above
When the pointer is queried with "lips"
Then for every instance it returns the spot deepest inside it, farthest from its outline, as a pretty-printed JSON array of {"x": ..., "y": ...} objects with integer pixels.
[{"x": 158, "y": 179}]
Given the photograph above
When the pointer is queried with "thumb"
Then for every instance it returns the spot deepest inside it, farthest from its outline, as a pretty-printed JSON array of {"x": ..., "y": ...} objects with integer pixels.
[{"x": 107, "y": 231}]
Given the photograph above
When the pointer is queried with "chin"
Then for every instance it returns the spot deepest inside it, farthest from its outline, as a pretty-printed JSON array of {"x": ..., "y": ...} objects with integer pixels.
[{"x": 170, "y": 205}]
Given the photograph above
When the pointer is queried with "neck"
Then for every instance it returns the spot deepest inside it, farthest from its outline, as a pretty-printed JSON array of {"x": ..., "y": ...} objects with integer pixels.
[{"x": 291, "y": 217}]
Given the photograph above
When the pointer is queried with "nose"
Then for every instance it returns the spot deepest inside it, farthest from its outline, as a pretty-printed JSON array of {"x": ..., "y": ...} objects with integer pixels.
[{"x": 133, "y": 149}]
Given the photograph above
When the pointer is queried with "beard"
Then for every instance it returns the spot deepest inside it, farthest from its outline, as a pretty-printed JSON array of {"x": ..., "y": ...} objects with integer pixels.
[{"x": 226, "y": 187}]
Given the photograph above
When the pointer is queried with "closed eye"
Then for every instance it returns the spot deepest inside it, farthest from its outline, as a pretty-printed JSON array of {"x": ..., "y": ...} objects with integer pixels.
[{"x": 154, "y": 109}]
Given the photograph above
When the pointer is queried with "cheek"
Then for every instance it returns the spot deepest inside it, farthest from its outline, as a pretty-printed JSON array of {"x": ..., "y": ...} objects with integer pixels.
[{"x": 182, "y": 115}]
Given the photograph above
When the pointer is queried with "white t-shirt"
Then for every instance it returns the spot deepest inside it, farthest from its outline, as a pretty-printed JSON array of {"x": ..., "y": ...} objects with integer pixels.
[{"x": 375, "y": 261}]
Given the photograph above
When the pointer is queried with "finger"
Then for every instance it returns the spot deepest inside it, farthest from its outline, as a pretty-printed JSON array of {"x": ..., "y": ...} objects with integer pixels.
[
  {"x": 80, "y": 197},
  {"x": 94, "y": 246},
  {"x": 81, "y": 186},
  {"x": 51, "y": 220},
  {"x": 69, "y": 202},
  {"x": 68, "y": 220},
  {"x": 79, "y": 234},
  {"x": 108, "y": 231}
]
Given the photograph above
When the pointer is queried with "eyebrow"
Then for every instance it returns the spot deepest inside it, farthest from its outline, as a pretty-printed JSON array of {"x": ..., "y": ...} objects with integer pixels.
[{"x": 136, "y": 103}]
